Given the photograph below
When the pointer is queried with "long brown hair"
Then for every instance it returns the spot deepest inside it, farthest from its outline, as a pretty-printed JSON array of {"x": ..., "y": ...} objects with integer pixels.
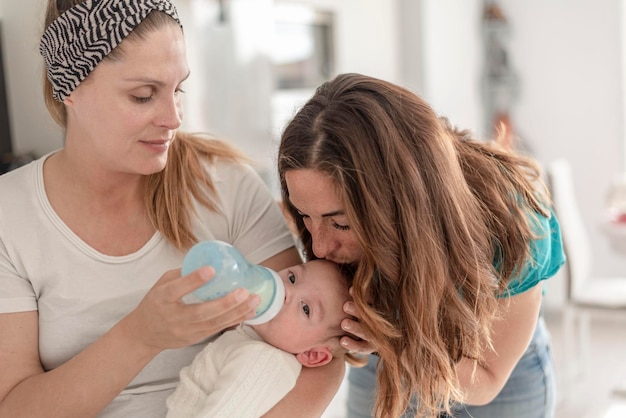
[
  {"x": 168, "y": 194},
  {"x": 433, "y": 211}
]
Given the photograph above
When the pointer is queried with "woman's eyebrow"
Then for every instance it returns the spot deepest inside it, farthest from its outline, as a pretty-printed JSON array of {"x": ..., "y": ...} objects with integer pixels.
[{"x": 148, "y": 80}]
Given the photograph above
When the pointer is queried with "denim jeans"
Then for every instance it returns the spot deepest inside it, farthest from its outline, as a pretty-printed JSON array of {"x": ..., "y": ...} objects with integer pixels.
[{"x": 530, "y": 391}]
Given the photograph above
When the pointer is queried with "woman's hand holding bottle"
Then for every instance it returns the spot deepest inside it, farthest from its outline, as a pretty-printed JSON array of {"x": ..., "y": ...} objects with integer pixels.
[{"x": 162, "y": 320}]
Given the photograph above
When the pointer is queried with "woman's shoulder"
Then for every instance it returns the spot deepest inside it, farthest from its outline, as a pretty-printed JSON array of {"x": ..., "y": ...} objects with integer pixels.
[
  {"x": 22, "y": 197},
  {"x": 547, "y": 254},
  {"x": 14, "y": 183},
  {"x": 547, "y": 250},
  {"x": 233, "y": 173}
]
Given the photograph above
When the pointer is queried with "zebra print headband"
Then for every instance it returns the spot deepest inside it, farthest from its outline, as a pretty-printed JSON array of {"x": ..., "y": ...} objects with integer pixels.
[{"x": 82, "y": 36}]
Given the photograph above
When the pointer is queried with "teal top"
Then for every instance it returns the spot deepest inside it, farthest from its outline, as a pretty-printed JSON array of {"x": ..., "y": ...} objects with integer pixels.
[{"x": 547, "y": 256}]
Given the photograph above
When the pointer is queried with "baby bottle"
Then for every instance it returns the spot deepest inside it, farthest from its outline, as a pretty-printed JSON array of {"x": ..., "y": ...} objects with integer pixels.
[{"x": 232, "y": 271}]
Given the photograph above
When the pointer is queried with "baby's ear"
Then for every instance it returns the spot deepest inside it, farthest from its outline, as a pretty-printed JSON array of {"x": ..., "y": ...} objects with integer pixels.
[{"x": 315, "y": 357}]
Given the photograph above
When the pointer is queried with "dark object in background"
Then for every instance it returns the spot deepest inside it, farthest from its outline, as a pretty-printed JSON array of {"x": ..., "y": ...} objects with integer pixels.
[
  {"x": 10, "y": 162},
  {"x": 5, "y": 128}
]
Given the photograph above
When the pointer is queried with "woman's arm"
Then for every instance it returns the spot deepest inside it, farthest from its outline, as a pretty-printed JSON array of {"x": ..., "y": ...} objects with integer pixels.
[
  {"x": 315, "y": 389},
  {"x": 511, "y": 335},
  {"x": 81, "y": 387},
  {"x": 85, "y": 384}
]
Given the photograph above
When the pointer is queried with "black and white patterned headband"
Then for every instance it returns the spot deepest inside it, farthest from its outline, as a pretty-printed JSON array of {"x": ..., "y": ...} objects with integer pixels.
[{"x": 82, "y": 36}]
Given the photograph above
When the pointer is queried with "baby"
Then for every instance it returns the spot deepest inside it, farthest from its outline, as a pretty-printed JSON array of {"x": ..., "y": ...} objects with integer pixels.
[{"x": 247, "y": 370}]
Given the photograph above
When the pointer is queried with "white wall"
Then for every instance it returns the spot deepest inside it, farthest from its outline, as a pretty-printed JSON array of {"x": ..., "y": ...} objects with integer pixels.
[
  {"x": 571, "y": 102},
  {"x": 452, "y": 64},
  {"x": 31, "y": 128},
  {"x": 368, "y": 40},
  {"x": 229, "y": 91},
  {"x": 567, "y": 56},
  {"x": 366, "y": 35}
]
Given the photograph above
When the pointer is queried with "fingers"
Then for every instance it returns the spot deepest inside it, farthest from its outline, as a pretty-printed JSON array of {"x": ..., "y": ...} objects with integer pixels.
[
  {"x": 354, "y": 346},
  {"x": 191, "y": 323},
  {"x": 215, "y": 315},
  {"x": 349, "y": 325},
  {"x": 356, "y": 343},
  {"x": 164, "y": 320},
  {"x": 350, "y": 308},
  {"x": 236, "y": 305},
  {"x": 179, "y": 288}
]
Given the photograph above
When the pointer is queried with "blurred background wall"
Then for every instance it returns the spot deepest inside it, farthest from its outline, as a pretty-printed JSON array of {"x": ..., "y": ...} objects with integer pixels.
[{"x": 566, "y": 56}]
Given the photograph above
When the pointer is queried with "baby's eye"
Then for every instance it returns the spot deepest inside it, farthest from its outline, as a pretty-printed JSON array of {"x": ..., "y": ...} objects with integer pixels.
[
  {"x": 306, "y": 309},
  {"x": 291, "y": 277}
]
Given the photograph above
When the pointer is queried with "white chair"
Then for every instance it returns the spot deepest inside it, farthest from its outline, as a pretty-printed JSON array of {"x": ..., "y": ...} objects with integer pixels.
[{"x": 585, "y": 296}]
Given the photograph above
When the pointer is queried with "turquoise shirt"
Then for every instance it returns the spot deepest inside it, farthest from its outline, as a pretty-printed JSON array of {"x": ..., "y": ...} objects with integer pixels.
[{"x": 547, "y": 257}]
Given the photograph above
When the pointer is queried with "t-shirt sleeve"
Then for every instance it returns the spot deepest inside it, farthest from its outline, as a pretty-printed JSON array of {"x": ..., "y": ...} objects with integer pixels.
[
  {"x": 261, "y": 230},
  {"x": 256, "y": 225},
  {"x": 547, "y": 256},
  {"x": 17, "y": 212},
  {"x": 17, "y": 292}
]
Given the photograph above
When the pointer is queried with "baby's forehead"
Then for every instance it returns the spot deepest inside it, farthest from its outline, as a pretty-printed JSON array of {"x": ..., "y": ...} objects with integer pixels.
[
  {"x": 329, "y": 282},
  {"x": 326, "y": 268}
]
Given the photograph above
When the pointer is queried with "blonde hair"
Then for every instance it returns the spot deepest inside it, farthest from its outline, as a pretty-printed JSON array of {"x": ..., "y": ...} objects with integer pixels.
[
  {"x": 433, "y": 212},
  {"x": 168, "y": 194}
]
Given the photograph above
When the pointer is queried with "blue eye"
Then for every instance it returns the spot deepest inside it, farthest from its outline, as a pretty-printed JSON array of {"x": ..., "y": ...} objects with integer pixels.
[{"x": 292, "y": 278}]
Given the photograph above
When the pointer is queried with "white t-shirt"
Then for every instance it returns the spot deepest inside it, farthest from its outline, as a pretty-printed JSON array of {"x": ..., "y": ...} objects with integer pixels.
[
  {"x": 81, "y": 293},
  {"x": 237, "y": 375}
]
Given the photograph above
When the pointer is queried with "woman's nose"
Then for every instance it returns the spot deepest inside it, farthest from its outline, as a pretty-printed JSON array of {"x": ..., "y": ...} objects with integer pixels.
[
  {"x": 322, "y": 244},
  {"x": 171, "y": 116}
]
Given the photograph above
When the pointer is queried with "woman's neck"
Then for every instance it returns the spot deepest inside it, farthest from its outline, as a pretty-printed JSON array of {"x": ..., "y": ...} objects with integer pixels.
[{"x": 106, "y": 211}]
